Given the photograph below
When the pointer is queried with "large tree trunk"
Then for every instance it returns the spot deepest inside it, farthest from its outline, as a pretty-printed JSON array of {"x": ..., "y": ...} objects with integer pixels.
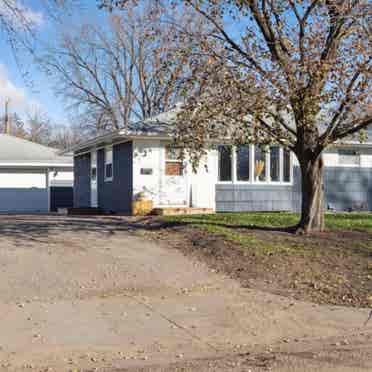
[{"x": 312, "y": 209}]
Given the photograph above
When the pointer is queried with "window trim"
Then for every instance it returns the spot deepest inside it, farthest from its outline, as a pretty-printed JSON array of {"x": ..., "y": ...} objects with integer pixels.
[
  {"x": 166, "y": 160},
  {"x": 252, "y": 181},
  {"x": 106, "y": 150},
  {"x": 233, "y": 166}
]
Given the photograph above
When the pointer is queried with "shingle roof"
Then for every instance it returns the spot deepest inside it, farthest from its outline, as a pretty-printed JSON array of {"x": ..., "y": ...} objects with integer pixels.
[
  {"x": 162, "y": 124},
  {"x": 14, "y": 150}
]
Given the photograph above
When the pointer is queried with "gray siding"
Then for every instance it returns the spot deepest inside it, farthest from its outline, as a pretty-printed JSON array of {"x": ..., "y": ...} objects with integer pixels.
[
  {"x": 346, "y": 188},
  {"x": 82, "y": 181},
  {"x": 240, "y": 198},
  {"x": 23, "y": 200},
  {"x": 116, "y": 195}
]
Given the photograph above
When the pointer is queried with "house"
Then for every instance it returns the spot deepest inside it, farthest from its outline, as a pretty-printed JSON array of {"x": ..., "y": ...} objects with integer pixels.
[
  {"x": 112, "y": 169},
  {"x": 33, "y": 178}
]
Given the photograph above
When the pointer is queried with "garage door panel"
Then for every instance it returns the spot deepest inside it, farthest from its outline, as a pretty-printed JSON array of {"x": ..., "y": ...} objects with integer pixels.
[
  {"x": 20, "y": 180},
  {"x": 23, "y": 200}
]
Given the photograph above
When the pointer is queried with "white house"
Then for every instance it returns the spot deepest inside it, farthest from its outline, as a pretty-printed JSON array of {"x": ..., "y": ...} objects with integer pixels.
[
  {"x": 111, "y": 170},
  {"x": 33, "y": 178}
]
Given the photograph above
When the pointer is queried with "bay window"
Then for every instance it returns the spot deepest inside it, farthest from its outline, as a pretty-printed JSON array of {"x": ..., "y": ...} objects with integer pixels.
[
  {"x": 275, "y": 164},
  {"x": 243, "y": 163},
  {"x": 254, "y": 164},
  {"x": 286, "y": 166},
  {"x": 259, "y": 164},
  {"x": 224, "y": 163}
]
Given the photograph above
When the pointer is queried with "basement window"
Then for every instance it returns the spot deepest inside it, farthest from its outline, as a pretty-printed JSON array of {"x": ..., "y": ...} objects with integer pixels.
[{"x": 109, "y": 175}]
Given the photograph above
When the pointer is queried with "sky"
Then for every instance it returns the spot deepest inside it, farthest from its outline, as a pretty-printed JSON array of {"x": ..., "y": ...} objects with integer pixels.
[{"x": 21, "y": 80}]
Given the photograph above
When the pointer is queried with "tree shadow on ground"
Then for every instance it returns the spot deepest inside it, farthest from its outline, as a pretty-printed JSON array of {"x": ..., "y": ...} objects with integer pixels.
[{"x": 40, "y": 228}]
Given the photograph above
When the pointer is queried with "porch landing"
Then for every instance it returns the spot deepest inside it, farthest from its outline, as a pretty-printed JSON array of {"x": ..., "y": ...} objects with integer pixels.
[{"x": 173, "y": 211}]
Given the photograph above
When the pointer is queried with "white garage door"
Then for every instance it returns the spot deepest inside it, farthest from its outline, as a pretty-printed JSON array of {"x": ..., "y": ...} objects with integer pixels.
[{"x": 23, "y": 191}]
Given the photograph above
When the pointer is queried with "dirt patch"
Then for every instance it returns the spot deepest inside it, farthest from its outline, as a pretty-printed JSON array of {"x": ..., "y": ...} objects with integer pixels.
[{"x": 325, "y": 268}]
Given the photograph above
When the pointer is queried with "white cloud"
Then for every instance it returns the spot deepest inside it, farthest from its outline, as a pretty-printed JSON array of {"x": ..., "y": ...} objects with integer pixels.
[
  {"x": 19, "y": 102},
  {"x": 20, "y": 16}
]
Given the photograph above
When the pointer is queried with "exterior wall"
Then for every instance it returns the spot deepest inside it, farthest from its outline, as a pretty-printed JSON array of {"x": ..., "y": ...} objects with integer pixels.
[
  {"x": 62, "y": 178},
  {"x": 116, "y": 195},
  {"x": 195, "y": 189},
  {"x": 346, "y": 188},
  {"x": 148, "y": 154},
  {"x": 240, "y": 198},
  {"x": 82, "y": 181}
]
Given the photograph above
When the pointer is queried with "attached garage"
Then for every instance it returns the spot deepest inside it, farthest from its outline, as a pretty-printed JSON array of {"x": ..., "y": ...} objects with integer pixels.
[{"x": 33, "y": 178}]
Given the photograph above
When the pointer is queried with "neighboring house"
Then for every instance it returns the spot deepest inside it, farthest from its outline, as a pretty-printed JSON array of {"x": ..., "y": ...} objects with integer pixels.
[
  {"x": 33, "y": 178},
  {"x": 112, "y": 169}
]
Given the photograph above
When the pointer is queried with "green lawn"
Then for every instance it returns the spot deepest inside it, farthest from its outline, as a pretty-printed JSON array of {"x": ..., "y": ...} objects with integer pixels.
[
  {"x": 240, "y": 228},
  {"x": 343, "y": 221}
]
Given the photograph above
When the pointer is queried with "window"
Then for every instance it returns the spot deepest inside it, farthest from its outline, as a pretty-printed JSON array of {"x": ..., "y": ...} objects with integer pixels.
[
  {"x": 348, "y": 157},
  {"x": 224, "y": 163},
  {"x": 93, "y": 173},
  {"x": 93, "y": 167},
  {"x": 173, "y": 161},
  {"x": 108, "y": 164},
  {"x": 259, "y": 164},
  {"x": 275, "y": 164},
  {"x": 243, "y": 163},
  {"x": 286, "y": 165}
]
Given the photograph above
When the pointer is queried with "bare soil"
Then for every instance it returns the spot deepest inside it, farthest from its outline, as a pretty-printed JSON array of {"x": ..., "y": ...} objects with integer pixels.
[{"x": 334, "y": 267}]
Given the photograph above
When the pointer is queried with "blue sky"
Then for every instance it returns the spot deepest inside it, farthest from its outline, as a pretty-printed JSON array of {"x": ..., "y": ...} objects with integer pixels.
[{"x": 26, "y": 85}]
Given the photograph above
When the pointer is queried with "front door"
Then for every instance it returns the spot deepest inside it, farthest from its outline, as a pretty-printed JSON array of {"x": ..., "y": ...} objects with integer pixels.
[
  {"x": 93, "y": 180},
  {"x": 173, "y": 185}
]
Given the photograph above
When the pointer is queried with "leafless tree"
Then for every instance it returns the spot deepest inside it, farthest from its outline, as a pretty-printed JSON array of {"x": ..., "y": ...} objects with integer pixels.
[
  {"x": 293, "y": 72},
  {"x": 121, "y": 72}
]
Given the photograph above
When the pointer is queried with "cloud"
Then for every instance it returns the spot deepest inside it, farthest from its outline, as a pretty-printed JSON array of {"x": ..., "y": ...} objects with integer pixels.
[
  {"x": 20, "y": 17},
  {"x": 19, "y": 102}
]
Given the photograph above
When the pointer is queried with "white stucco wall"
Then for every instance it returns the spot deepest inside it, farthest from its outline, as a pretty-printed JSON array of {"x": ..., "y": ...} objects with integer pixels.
[
  {"x": 190, "y": 189},
  {"x": 146, "y": 154}
]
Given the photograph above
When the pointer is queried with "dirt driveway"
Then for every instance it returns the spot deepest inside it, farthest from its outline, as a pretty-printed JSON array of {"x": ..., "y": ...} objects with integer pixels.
[{"x": 93, "y": 294}]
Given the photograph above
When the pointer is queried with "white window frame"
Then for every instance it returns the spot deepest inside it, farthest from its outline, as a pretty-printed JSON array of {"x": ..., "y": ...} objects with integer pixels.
[
  {"x": 107, "y": 162},
  {"x": 252, "y": 180},
  {"x": 233, "y": 166},
  {"x": 167, "y": 160}
]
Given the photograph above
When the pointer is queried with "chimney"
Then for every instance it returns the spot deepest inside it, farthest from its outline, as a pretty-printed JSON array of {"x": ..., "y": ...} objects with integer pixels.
[{"x": 6, "y": 117}]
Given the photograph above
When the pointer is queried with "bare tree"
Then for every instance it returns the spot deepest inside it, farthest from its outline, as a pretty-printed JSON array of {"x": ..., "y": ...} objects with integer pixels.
[
  {"x": 293, "y": 72},
  {"x": 115, "y": 74}
]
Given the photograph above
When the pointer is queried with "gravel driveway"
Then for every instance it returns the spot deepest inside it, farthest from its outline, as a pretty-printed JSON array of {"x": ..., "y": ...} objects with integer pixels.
[{"x": 95, "y": 294}]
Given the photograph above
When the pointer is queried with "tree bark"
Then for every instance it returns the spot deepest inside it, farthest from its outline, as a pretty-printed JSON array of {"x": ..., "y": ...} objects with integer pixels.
[{"x": 312, "y": 209}]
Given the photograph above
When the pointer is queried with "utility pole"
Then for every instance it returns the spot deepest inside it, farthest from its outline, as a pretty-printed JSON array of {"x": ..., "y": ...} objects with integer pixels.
[{"x": 6, "y": 117}]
